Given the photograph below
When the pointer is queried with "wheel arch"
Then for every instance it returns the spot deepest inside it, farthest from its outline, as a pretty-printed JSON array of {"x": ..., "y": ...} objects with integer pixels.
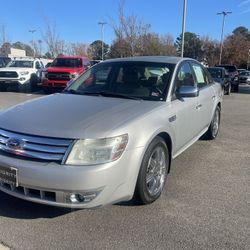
[{"x": 166, "y": 137}]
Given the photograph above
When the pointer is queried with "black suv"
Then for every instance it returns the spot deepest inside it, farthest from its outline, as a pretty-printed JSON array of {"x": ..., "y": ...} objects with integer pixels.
[{"x": 234, "y": 75}]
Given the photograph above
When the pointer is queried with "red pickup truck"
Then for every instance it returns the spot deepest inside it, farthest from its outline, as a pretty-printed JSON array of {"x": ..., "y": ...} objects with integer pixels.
[{"x": 62, "y": 70}]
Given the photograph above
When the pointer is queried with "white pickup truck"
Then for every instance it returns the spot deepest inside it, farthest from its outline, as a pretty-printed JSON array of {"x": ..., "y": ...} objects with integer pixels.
[{"x": 22, "y": 73}]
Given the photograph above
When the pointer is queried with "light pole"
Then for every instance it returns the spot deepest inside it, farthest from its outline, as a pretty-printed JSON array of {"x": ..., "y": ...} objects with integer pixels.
[
  {"x": 224, "y": 13},
  {"x": 183, "y": 27},
  {"x": 102, "y": 31},
  {"x": 33, "y": 31},
  {"x": 248, "y": 59}
]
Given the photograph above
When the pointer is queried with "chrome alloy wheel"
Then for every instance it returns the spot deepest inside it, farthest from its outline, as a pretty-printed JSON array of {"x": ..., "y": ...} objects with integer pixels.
[
  {"x": 216, "y": 121},
  {"x": 156, "y": 171}
]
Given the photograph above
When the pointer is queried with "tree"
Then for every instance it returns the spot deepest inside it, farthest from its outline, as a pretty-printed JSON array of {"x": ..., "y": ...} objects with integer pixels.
[
  {"x": 210, "y": 50},
  {"x": 55, "y": 45},
  {"x": 95, "y": 50},
  {"x": 128, "y": 32},
  {"x": 192, "y": 46},
  {"x": 153, "y": 44},
  {"x": 241, "y": 30},
  {"x": 236, "y": 49},
  {"x": 77, "y": 49}
]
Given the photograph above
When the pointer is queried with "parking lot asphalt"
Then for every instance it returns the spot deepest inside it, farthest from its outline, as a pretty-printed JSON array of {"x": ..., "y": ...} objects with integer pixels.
[{"x": 205, "y": 205}]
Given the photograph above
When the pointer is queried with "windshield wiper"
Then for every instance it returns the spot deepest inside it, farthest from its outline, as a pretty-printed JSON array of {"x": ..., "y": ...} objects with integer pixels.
[{"x": 111, "y": 94}]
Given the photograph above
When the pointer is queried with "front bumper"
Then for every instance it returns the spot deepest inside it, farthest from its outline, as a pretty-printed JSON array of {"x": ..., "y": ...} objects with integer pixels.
[
  {"x": 13, "y": 81},
  {"x": 54, "y": 84},
  {"x": 55, "y": 184}
]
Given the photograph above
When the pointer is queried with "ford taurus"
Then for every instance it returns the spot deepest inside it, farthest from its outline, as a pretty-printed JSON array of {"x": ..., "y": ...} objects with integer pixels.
[{"x": 111, "y": 135}]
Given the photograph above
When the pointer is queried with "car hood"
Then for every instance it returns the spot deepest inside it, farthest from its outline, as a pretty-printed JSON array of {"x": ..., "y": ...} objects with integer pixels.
[
  {"x": 62, "y": 69},
  {"x": 73, "y": 116}
]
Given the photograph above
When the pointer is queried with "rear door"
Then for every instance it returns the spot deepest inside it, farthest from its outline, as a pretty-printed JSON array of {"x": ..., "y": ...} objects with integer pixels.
[{"x": 206, "y": 98}]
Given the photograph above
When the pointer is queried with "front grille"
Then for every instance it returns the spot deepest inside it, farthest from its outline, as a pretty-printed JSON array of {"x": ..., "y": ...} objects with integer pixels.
[
  {"x": 33, "y": 147},
  {"x": 8, "y": 74},
  {"x": 59, "y": 76},
  {"x": 29, "y": 192}
]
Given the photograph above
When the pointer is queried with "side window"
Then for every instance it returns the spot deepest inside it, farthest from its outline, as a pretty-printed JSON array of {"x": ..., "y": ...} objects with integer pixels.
[
  {"x": 86, "y": 63},
  {"x": 201, "y": 78},
  {"x": 184, "y": 76},
  {"x": 38, "y": 66}
]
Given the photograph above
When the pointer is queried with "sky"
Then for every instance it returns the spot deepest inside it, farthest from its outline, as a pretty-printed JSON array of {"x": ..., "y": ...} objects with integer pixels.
[{"x": 77, "y": 20}]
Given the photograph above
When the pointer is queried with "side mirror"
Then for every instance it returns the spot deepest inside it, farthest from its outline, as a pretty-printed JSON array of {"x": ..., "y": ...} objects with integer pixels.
[
  {"x": 227, "y": 75},
  {"x": 187, "y": 91}
]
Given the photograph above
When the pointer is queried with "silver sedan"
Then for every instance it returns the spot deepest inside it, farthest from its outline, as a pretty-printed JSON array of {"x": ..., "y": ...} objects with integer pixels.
[{"x": 111, "y": 135}]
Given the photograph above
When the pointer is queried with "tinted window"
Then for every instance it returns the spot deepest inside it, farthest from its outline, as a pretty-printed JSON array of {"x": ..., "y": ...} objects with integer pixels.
[
  {"x": 215, "y": 72},
  {"x": 67, "y": 62},
  {"x": 245, "y": 73},
  {"x": 146, "y": 80},
  {"x": 38, "y": 66},
  {"x": 229, "y": 68},
  {"x": 184, "y": 76},
  {"x": 21, "y": 64}
]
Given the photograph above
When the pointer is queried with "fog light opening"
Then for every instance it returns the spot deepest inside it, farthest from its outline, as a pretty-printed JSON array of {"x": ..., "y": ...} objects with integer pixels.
[{"x": 76, "y": 198}]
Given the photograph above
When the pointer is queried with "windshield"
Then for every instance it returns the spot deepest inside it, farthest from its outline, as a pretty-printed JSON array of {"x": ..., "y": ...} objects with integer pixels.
[
  {"x": 144, "y": 80},
  {"x": 229, "y": 68},
  {"x": 21, "y": 64},
  {"x": 245, "y": 73},
  {"x": 67, "y": 62},
  {"x": 215, "y": 72}
]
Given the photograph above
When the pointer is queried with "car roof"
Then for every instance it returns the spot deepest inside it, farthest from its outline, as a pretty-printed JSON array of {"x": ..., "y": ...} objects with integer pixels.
[
  {"x": 221, "y": 68},
  {"x": 72, "y": 57},
  {"x": 162, "y": 59}
]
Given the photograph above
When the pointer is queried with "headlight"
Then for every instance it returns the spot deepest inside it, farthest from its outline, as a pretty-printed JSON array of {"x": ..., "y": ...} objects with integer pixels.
[
  {"x": 97, "y": 151},
  {"x": 24, "y": 73},
  {"x": 74, "y": 75}
]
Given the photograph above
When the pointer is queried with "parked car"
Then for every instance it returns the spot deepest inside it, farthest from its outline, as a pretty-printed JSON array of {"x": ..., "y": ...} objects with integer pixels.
[
  {"x": 245, "y": 77},
  {"x": 62, "y": 70},
  {"x": 241, "y": 70},
  {"x": 234, "y": 75},
  {"x": 111, "y": 135},
  {"x": 221, "y": 76},
  {"x": 21, "y": 72},
  {"x": 4, "y": 61}
]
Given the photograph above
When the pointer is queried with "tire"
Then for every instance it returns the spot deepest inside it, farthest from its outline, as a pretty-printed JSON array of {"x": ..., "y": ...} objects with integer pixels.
[
  {"x": 228, "y": 89},
  {"x": 3, "y": 88},
  {"x": 24, "y": 88},
  {"x": 213, "y": 129},
  {"x": 153, "y": 172},
  {"x": 47, "y": 91},
  {"x": 236, "y": 88},
  {"x": 33, "y": 82}
]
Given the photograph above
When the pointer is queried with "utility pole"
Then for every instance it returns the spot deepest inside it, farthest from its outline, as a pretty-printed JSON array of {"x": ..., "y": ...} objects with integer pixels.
[
  {"x": 248, "y": 59},
  {"x": 183, "y": 27},
  {"x": 33, "y": 31},
  {"x": 102, "y": 31},
  {"x": 224, "y": 13}
]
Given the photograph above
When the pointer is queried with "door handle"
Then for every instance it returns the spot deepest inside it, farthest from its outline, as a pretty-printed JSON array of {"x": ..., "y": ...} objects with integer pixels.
[{"x": 198, "y": 106}]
